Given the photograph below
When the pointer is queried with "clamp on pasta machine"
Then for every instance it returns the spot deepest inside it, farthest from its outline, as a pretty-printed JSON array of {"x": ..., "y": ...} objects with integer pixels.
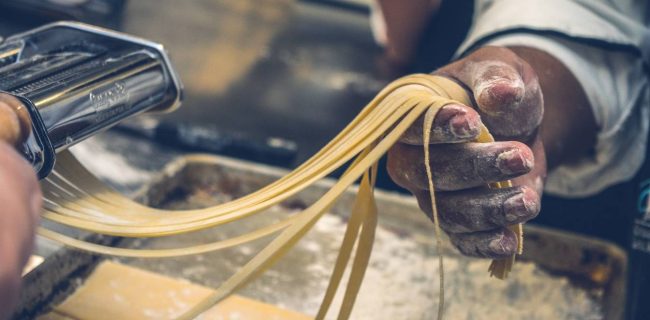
[{"x": 75, "y": 80}]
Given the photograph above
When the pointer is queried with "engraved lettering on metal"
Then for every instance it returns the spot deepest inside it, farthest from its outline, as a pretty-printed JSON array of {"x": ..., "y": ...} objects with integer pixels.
[{"x": 107, "y": 98}]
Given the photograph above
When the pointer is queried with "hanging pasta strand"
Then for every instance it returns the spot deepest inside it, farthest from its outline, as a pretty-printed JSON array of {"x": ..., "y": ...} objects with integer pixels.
[
  {"x": 364, "y": 202},
  {"x": 74, "y": 197}
]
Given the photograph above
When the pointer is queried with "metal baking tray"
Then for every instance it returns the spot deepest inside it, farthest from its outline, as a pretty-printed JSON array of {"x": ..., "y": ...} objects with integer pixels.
[{"x": 560, "y": 275}]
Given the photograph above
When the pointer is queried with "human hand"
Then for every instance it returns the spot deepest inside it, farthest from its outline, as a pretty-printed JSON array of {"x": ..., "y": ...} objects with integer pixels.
[
  {"x": 20, "y": 205},
  {"x": 15, "y": 122},
  {"x": 508, "y": 100}
]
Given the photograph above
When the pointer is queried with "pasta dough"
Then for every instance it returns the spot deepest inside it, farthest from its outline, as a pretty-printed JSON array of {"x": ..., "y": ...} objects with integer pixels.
[{"x": 74, "y": 197}]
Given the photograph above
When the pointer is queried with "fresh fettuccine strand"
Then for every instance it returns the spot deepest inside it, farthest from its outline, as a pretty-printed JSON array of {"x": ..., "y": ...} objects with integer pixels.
[
  {"x": 428, "y": 123},
  {"x": 76, "y": 198},
  {"x": 362, "y": 205}
]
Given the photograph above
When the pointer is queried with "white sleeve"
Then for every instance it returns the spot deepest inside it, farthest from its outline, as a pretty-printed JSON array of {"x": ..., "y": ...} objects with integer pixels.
[
  {"x": 614, "y": 80},
  {"x": 621, "y": 23}
]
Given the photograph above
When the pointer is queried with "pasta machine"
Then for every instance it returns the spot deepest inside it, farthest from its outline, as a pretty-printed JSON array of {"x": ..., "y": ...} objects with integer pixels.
[{"x": 76, "y": 80}]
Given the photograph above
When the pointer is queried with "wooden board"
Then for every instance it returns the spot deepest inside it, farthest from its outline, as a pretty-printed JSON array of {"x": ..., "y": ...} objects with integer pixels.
[{"x": 116, "y": 291}]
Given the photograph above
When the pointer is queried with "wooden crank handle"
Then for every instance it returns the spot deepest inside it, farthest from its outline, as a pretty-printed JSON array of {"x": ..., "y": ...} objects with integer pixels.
[{"x": 15, "y": 122}]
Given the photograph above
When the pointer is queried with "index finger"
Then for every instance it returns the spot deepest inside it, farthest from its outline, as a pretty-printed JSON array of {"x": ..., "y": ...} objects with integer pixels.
[{"x": 454, "y": 123}]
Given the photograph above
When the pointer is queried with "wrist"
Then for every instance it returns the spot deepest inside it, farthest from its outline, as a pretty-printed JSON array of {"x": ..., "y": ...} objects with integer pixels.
[{"x": 568, "y": 129}]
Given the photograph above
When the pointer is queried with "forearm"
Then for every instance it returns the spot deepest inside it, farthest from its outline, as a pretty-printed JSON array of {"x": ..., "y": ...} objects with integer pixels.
[{"x": 404, "y": 22}]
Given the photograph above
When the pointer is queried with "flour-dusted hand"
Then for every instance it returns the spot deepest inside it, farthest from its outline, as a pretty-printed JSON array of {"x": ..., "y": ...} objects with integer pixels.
[{"x": 508, "y": 100}]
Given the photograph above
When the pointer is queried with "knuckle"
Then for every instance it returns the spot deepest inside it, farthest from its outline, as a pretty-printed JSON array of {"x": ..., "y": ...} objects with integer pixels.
[
  {"x": 468, "y": 244},
  {"x": 449, "y": 225},
  {"x": 460, "y": 212}
]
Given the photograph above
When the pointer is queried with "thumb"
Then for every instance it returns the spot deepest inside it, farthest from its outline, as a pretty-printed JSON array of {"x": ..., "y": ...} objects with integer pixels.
[
  {"x": 505, "y": 89},
  {"x": 15, "y": 122}
]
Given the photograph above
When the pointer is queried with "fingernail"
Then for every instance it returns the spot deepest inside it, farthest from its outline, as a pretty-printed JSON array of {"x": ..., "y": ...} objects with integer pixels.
[
  {"x": 507, "y": 92},
  {"x": 462, "y": 127},
  {"x": 495, "y": 94},
  {"x": 513, "y": 162},
  {"x": 515, "y": 207}
]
